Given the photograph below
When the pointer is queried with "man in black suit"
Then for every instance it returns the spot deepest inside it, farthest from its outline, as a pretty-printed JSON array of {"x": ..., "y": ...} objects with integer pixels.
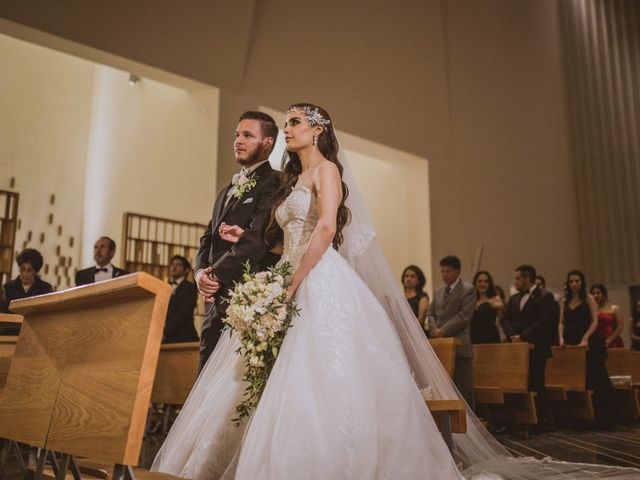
[
  {"x": 103, "y": 251},
  {"x": 179, "y": 324},
  {"x": 245, "y": 202},
  {"x": 529, "y": 317}
]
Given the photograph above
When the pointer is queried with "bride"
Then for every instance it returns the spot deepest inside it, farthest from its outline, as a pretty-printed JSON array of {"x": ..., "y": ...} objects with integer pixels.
[{"x": 343, "y": 400}]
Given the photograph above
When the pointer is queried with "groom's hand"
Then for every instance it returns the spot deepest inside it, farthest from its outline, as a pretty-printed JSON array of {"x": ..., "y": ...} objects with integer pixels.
[
  {"x": 208, "y": 283},
  {"x": 438, "y": 333}
]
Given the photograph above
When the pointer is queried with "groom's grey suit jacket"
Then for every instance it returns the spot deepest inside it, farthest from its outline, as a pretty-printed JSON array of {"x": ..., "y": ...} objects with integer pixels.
[{"x": 454, "y": 314}]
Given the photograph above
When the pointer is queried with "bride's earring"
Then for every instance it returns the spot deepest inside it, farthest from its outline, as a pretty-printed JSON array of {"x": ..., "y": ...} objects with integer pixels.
[{"x": 315, "y": 139}]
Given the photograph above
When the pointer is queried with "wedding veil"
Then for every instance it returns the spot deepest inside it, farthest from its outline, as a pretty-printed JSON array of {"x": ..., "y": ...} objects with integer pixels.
[{"x": 479, "y": 454}]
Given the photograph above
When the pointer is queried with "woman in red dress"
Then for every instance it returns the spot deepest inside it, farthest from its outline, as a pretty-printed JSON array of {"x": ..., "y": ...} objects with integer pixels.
[{"x": 610, "y": 319}]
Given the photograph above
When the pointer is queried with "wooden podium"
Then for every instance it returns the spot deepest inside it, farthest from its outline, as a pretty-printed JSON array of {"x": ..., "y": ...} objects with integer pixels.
[
  {"x": 7, "y": 345},
  {"x": 83, "y": 369}
]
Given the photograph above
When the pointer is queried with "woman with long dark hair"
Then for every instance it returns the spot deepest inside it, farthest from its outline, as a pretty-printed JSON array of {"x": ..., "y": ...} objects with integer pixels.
[
  {"x": 634, "y": 327},
  {"x": 610, "y": 319},
  {"x": 341, "y": 400},
  {"x": 578, "y": 325},
  {"x": 414, "y": 281},
  {"x": 486, "y": 324}
]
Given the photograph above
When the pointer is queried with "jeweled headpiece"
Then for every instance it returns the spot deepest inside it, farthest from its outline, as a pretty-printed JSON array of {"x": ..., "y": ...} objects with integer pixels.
[{"x": 313, "y": 115}]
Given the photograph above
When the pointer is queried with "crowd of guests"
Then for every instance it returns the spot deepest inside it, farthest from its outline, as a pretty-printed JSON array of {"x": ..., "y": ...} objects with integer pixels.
[
  {"x": 179, "y": 324},
  {"x": 480, "y": 313},
  {"x": 476, "y": 313}
]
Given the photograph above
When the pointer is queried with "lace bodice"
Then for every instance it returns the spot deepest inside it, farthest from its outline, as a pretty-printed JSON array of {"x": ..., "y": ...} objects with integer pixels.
[{"x": 297, "y": 216}]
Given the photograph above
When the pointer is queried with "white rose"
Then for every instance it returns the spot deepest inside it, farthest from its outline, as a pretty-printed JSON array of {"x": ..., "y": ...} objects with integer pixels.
[
  {"x": 261, "y": 333},
  {"x": 261, "y": 277},
  {"x": 282, "y": 313}
]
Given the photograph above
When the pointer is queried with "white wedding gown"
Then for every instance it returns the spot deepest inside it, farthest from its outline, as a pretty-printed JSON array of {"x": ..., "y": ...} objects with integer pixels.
[{"x": 340, "y": 403}]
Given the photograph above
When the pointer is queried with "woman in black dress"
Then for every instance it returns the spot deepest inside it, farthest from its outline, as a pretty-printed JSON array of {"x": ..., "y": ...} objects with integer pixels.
[
  {"x": 414, "y": 281},
  {"x": 486, "y": 324},
  {"x": 635, "y": 327},
  {"x": 577, "y": 326},
  {"x": 26, "y": 284}
]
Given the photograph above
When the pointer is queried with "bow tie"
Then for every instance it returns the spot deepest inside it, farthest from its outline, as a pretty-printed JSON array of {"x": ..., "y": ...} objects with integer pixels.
[
  {"x": 101, "y": 269},
  {"x": 244, "y": 171}
]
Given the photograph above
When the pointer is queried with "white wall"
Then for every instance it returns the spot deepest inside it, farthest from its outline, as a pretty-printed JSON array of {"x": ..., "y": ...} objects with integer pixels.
[
  {"x": 395, "y": 187},
  {"x": 152, "y": 150},
  {"x": 44, "y": 125},
  {"x": 78, "y": 130}
]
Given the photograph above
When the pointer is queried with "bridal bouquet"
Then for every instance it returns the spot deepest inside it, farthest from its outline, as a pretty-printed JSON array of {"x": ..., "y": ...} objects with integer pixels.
[{"x": 261, "y": 314}]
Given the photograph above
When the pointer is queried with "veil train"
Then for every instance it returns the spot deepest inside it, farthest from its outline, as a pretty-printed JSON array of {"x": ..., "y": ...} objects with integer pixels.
[{"x": 477, "y": 451}]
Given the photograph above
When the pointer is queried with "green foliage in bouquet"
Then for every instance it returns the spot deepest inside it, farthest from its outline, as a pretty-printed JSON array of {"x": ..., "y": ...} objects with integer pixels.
[{"x": 261, "y": 315}]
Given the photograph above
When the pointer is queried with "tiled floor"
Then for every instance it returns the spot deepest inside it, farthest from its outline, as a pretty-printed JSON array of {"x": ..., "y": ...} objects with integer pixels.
[{"x": 620, "y": 447}]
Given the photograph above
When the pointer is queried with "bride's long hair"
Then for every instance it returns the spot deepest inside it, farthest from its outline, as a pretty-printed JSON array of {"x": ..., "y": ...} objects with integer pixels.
[{"x": 328, "y": 146}]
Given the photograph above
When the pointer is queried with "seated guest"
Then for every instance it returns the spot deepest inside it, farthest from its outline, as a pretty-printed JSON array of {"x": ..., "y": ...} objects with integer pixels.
[
  {"x": 27, "y": 284},
  {"x": 414, "y": 281},
  {"x": 103, "y": 251},
  {"x": 179, "y": 324},
  {"x": 529, "y": 318},
  {"x": 486, "y": 324},
  {"x": 579, "y": 326},
  {"x": 449, "y": 315},
  {"x": 635, "y": 327},
  {"x": 610, "y": 319}
]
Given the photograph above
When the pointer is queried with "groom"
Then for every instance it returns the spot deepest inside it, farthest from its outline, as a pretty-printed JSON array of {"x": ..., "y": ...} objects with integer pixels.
[{"x": 245, "y": 202}]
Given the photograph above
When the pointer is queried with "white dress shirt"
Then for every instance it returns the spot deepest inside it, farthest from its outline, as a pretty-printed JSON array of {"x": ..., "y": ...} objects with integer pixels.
[
  {"x": 175, "y": 283},
  {"x": 453, "y": 285},
  {"x": 525, "y": 298},
  {"x": 108, "y": 275}
]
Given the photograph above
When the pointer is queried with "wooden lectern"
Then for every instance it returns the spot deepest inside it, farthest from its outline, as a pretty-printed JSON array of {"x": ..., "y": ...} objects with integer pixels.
[
  {"x": 82, "y": 373},
  {"x": 7, "y": 345}
]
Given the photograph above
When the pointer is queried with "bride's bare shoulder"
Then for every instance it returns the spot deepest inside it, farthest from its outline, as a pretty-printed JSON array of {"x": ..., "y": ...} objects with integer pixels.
[{"x": 326, "y": 171}]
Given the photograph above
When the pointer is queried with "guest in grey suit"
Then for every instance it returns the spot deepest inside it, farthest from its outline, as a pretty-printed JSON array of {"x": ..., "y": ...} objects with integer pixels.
[{"x": 449, "y": 315}]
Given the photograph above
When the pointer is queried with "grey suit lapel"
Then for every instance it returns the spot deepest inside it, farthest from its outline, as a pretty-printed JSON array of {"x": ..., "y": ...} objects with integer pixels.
[{"x": 457, "y": 290}]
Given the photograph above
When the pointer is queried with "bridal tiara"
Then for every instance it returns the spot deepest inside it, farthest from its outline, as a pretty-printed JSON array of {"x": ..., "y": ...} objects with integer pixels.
[{"x": 314, "y": 117}]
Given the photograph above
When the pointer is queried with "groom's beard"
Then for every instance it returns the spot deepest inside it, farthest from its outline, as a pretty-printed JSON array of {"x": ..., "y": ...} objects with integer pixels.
[{"x": 255, "y": 157}]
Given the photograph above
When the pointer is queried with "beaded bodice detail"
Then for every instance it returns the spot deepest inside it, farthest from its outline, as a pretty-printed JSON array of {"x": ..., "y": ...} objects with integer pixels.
[{"x": 297, "y": 217}]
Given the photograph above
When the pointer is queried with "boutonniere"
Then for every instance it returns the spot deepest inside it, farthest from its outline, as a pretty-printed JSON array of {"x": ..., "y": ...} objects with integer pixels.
[{"x": 243, "y": 183}]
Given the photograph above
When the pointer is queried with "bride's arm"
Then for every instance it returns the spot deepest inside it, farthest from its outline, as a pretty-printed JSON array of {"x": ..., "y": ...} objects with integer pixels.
[
  {"x": 329, "y": 194},
  {"x": 232, "y": 233}
]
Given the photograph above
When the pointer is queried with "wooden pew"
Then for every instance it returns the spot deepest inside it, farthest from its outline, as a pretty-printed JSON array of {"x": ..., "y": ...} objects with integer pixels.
[
  {"x": 620, "y": 362},
  {"x": 81, "y": 377},
  {"x": 175, "y": 375},
  {"x": 445, "y": 350},
  {"x": 565, "y": 380},
  {"x": 501, "y": 377},
  {"x": 450, "y": 417},
  {"x": 176, "y": 372},
  {"x": 7, "y": 345},
  {"x": 635, "y": 374}
]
